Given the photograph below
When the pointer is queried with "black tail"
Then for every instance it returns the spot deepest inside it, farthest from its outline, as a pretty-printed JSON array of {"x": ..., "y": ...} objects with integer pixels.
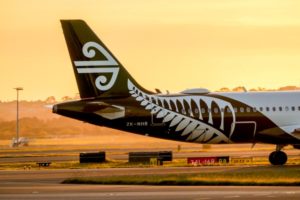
[{"x": 98, "y": 73}]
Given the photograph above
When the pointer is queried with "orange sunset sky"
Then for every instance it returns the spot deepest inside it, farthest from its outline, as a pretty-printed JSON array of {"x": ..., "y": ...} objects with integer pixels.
[{"x": 166, "y": 44}]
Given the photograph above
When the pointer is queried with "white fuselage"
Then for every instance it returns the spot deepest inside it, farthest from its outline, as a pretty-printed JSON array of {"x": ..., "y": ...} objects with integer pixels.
[{"x": 283, "y": 108}]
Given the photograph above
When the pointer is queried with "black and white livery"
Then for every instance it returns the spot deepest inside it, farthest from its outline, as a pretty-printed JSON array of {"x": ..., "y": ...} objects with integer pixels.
[{"x": 111, "y": 97}]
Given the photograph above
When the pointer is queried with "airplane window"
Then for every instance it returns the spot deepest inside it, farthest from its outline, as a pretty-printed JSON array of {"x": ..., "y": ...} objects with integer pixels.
[
  {"x": 248, "y": 109},
  {"x": 228, "y": 109},
  {"x": 280, "y": 108},
  {"x": 274, "y": 109},
  {"x": 261, "y": 109},
  {"x": 299, "y": 108},
  {"x": 293, "y": 108},
  {"x": 203, "y": 110},
  {"x": 242, "y": 109},
  {"x": 196, "y": 110},
  {"x": 267, "y": 109},
  {"x": 286, "y": 108},
  {"x": 153, "y": 100},
  {"x": 235, "y": 109}
]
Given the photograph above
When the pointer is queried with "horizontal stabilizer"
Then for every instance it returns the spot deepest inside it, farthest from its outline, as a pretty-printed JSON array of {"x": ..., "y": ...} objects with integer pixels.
[{"x": 106, "y": 110}]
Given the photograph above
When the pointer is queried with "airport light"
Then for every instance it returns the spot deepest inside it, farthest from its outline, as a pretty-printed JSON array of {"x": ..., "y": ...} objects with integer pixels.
[{"x": 17, "y": 128}]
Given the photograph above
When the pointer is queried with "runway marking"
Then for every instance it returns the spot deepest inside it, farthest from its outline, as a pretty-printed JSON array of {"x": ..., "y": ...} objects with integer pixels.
[
  {"x": 262, "y": 194},
  {"x": 290, "y": 192}
]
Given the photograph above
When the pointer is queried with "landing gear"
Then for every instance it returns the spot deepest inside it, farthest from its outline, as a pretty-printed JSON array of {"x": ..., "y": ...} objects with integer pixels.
[{"x": 278, "y": 157}]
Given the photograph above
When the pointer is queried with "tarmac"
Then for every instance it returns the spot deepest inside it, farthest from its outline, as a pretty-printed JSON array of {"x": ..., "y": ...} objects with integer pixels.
[{"x": 46, "y": 184}]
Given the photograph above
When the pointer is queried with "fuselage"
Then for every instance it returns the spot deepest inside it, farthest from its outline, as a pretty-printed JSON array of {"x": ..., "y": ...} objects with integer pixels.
[
  {"x": 283, "y": 108},
  {"x": 247, "y": 117}
]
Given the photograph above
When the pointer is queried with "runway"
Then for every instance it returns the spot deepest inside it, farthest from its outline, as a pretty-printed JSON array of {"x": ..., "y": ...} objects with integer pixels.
[
  {"x": 47, "y": 191},
  {"x": 45, "y": 184}
]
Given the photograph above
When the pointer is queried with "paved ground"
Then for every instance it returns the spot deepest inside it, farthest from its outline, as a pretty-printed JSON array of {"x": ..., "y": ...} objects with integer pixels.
[
  {"x": 45, "y": 184},
  {"x": 76, "y": 192}
]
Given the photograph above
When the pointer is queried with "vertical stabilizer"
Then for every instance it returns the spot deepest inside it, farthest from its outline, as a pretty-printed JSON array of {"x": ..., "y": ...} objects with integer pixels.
[{"x": 98, "y": 73}]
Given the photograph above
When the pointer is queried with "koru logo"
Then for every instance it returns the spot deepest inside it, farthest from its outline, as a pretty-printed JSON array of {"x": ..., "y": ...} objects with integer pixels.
[{"x": 101, "y": 81}]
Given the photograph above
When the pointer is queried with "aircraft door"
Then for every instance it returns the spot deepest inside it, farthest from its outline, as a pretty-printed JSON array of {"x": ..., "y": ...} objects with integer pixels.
[{"x": 244, "y": 131}]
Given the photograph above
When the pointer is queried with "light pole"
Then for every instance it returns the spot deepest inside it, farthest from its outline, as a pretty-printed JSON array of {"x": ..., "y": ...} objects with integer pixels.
[{"x": 17, "y": 129}]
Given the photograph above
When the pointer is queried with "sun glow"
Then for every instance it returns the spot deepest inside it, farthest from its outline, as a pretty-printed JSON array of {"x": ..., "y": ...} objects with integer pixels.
[{"x": 172, "y": 45}]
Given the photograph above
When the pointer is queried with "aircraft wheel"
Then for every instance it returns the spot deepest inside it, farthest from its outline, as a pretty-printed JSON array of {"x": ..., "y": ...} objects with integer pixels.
[{"x": 278, "y": 158}]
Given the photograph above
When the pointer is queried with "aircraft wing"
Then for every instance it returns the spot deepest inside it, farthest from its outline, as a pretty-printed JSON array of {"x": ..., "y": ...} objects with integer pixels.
[{"x": 293, "y": 130}]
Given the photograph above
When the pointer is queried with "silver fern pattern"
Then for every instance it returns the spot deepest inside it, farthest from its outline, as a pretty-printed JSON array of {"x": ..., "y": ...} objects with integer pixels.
[{"x": 193, "y": 116}]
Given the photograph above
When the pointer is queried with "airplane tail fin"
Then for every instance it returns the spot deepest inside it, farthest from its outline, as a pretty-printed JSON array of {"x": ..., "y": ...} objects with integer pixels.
[{"x": 98, "y": 73}]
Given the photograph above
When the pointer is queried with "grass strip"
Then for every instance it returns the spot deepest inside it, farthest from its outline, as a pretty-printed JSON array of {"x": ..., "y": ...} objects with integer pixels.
[
  {"x": 178, "y": 182},
  {"x": 257, "y": 176}
]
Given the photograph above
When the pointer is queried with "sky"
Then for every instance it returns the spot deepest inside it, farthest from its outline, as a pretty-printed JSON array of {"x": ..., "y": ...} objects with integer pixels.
[{"x": 167, "y": 44}]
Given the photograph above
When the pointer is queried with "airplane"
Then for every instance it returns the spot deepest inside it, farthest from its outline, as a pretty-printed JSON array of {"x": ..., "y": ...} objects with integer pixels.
[{"x": 111, "y": 97}]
